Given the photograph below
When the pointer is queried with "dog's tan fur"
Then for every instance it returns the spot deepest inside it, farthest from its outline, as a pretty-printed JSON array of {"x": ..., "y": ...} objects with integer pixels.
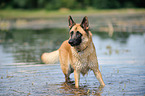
[{"x": 79, "y": 59}]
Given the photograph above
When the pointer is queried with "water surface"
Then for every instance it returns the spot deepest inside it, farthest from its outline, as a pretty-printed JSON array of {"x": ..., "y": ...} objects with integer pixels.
[{"x": 121, "y": 61}]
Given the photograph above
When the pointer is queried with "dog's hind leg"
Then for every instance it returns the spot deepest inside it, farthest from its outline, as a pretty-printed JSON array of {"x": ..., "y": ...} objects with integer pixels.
[
  {"x": 65, "y": 66},
  {"x": 67, "y": 73}
]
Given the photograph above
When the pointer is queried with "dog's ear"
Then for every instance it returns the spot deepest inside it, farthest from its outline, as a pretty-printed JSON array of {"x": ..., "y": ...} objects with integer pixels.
[
  {"x": 71, "y": 22},
  {"x": 85, "y": 24}
]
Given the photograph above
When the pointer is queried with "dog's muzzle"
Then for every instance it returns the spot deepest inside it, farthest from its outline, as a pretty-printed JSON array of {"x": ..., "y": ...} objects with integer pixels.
[{"x": 74, "y": 42}]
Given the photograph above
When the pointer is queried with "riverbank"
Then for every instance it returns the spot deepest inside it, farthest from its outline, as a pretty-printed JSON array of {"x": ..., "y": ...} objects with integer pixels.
[
  {"x": 34, "y": 14},
  {"x": 115, "y": 20}
]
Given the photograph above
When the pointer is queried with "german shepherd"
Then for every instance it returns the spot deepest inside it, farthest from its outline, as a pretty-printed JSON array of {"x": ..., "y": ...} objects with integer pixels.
[{"x": 77, "y": 54}]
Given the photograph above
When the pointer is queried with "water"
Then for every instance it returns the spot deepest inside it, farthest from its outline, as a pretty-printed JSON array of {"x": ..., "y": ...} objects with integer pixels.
[{"x": 121, "y": 62}]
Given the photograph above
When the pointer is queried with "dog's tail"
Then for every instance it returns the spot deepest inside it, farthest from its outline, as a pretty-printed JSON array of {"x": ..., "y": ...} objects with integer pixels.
[{"x": 50, "y": 58}]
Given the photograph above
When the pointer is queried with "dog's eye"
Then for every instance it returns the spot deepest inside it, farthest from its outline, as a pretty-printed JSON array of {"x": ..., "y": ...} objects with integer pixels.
[
  {"x": 78, "y": 34},
  {"x": 71, "y": 33}
]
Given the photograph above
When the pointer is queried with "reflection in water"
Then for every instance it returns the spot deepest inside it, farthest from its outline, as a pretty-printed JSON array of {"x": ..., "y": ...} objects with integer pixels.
[
  {"x": 27, "y": 45},
  {"x": 83, "y": 90},
  {"x": 121, "y": 59}
]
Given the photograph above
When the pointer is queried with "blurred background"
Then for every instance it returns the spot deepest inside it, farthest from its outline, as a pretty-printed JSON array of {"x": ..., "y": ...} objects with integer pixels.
[
  {"x": 29, "y": 28},
  {"x": 71, "y": 4},
  {"x": 118, "y": 15}
]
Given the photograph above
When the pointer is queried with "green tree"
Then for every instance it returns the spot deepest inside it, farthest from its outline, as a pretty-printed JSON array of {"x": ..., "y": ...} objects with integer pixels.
[
  {"x": 71, "y": 4},
  {"x": 104, "y": 4}
]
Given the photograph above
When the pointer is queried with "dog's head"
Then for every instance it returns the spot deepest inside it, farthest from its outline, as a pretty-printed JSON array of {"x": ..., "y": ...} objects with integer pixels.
[{"x": 79, "y": 33}]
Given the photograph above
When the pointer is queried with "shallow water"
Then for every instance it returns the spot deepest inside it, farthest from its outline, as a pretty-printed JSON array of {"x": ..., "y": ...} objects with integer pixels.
[{"x": 121, "y": 61}]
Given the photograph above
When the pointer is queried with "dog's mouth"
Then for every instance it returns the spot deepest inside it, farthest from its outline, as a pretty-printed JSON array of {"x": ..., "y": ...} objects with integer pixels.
[{"x": 74, "y": 42}]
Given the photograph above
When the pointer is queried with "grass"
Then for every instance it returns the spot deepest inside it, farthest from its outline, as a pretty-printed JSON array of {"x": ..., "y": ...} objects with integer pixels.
[{"x": 19, "y": 13}]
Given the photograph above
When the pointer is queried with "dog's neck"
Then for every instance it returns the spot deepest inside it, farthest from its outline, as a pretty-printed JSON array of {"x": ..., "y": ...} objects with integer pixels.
[
  {"x": 80, "y": 48},
  {"x": 82, "y": 52}
]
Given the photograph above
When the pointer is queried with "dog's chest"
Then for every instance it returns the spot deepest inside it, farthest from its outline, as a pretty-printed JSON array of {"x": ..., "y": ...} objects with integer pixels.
[
  {"x": 81, "y": 61},
  {"x": 82, "y": 65}
]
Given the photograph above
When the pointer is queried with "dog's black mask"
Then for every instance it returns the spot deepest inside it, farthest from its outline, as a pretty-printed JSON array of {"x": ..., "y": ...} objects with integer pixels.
[{"x": 75, "y": 39}]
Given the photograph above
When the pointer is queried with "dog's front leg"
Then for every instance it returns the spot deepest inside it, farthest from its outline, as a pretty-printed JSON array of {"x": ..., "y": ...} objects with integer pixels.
[
  {"x": 99, "y": 77},
  {"x": 77, "y": 78}
]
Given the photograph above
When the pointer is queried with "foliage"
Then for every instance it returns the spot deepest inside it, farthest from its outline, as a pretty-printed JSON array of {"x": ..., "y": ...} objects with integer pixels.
[{"x": 71, "y": 4}]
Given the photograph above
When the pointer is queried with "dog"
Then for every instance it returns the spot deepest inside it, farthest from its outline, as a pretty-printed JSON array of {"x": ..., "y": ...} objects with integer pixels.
[{"x": 77, "y": 54}]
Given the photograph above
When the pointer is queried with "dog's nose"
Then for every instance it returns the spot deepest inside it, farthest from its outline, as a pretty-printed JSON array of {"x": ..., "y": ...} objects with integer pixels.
[{"x": 70, "y": 41}]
